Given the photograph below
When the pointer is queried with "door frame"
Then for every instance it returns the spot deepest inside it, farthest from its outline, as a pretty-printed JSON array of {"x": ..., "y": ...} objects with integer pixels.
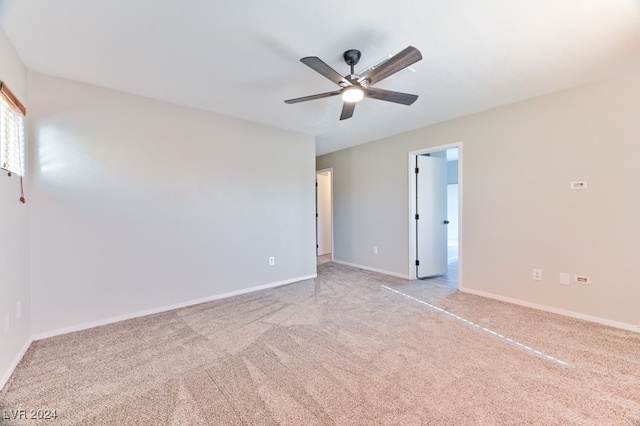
[
  {"x": 330, "y": 170},
  {"x": 412, "y": 206}
]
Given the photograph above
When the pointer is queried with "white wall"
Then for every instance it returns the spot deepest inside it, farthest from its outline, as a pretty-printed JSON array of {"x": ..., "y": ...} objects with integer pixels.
[
  {"x": 14, "y": 236},
  {"x": 452, "y": 172},
  {"x": 519, "y": 213},
  {"x": 139, "y": 204}
]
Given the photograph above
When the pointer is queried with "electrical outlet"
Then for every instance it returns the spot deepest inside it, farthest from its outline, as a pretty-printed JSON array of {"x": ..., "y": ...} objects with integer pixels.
[
  {"x": 272, "y": 261},
  {"x": 563, "y": 278},
  {"x": 582, "y": 279},
  {"x": 537, "y": 274},
  {"x": 375, "y": 250}
]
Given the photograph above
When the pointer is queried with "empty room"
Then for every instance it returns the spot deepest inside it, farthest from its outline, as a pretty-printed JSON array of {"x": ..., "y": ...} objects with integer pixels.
[{"x": 328, "y": 213}]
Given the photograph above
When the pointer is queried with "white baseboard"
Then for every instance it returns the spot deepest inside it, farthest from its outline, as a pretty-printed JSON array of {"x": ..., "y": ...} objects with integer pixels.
[
  {"x": 591, "y": 318},
  {"x": 92, "y": 324},
  {"x": 367, "y": 268},
  {"x": 5, "y": 377}
]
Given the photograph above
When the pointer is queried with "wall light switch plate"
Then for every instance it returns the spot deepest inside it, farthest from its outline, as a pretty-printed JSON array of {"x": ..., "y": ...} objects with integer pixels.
[
  {"x": 564, "y": 278},
  {"x": 582, "y": 184}
]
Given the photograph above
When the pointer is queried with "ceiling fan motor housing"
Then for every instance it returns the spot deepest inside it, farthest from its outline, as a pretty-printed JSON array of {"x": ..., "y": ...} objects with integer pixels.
[{"x": 352, "y": 57}]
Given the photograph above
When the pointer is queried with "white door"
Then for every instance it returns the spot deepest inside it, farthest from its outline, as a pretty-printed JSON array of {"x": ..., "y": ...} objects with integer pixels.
[
  {"x": 323, "y": 212},
  {"x": 431, "y": 216}
]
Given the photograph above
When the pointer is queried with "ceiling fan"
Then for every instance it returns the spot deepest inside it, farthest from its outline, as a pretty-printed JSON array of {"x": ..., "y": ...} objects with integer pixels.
[{"x": 354, "y": 87}]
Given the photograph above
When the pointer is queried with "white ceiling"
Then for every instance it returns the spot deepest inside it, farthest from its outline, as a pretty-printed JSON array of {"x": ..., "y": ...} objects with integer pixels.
[{"x": 241, "y": 58}]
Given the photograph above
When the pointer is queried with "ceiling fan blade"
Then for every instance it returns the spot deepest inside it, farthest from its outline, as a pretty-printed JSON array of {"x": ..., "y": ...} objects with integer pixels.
[
  {"x": 319, "y": 66},
  {"x": 347, "y": 110},
  {"x": 372, "y": 67},
  {"x": 390, "y": 96},
  {"x": 313, "y": 97},
  {"x": 400, "y": 61}
]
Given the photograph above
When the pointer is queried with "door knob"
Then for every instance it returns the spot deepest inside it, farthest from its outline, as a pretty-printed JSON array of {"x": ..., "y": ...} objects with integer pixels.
[{"x": 446, "y": 222}]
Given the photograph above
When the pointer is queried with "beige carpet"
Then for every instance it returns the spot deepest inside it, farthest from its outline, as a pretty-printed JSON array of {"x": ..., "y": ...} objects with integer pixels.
[{"x": 348, "y": 348}]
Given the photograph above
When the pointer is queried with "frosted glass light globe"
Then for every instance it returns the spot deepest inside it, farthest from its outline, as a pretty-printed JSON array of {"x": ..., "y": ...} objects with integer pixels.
[{"x": 352, "y": 94}]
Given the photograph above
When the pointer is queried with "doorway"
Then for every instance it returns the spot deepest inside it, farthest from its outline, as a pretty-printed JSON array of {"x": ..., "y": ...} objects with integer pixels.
[
  {"x": 435, "y": 200},
  {"x": 324, "y": 215}
]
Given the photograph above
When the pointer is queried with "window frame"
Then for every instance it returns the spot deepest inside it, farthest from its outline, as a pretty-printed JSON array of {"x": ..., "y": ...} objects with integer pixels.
[{"x": 16, "y": 114}]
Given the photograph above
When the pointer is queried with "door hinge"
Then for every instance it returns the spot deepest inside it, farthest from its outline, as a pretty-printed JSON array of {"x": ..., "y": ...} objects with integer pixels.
[
  {"x": 417, "y": 263},
  {"x": 417, "y": 216},
  {"x": 316, "y": 215},
  {"x": 417, "y": 170},
  {"x": 317, "y": 246}
]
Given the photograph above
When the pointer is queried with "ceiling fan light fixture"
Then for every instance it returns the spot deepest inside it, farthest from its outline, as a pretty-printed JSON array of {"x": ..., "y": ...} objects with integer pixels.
[{"x": 352, "y": 94}]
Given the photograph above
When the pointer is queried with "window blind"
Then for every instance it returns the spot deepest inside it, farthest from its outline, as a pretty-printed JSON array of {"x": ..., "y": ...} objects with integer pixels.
[
  {"x": 11, "y": 132},
  {"x": 12, "y": 114}
]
